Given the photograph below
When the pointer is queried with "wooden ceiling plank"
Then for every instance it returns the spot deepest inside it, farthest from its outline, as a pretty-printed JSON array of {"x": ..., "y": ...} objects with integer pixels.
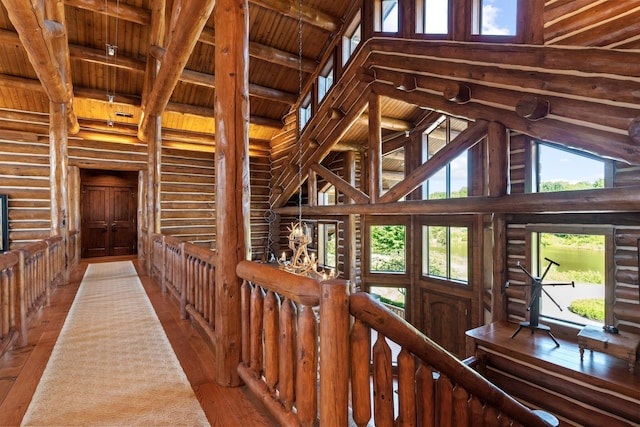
[
  {"x": 310, "y": 15},
  {"x": 42, "y": 41},
  {"x": 189, "y": 24}
]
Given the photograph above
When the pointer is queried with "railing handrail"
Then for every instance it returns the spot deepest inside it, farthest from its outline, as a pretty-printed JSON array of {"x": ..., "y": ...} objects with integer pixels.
[
  {"x": 8, "y": 260},
  {"x": 306, "y": 292},
  {"x": 366, "y": 309},
  {"x": 206, "y": 255}
]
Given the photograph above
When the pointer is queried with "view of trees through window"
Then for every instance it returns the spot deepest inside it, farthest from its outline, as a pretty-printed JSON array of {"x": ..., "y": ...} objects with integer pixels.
[
  {"x": 387, "y": 249},
  {"x": 582, "y": 261}
]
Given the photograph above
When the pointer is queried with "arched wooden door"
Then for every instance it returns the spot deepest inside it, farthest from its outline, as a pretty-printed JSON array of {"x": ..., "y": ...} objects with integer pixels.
[{"x": 108, "y": 214}]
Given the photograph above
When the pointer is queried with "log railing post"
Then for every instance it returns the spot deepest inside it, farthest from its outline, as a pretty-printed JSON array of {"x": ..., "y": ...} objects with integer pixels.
[{"x": 334, "y": 351}]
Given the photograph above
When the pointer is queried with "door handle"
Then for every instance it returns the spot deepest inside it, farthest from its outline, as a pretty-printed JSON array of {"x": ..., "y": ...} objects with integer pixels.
[{"x": 113, "y": 226}]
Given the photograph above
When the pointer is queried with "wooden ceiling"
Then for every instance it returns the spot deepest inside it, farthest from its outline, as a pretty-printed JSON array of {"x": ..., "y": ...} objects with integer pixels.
[{"x": 275, "y": 66}]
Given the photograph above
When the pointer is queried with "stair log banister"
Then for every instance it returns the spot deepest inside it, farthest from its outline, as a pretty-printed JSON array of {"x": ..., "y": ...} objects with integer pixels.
[
  {"x": 34, "y": 281},
  {"x": 279, "y": 322},
  {"x": 447, "y": 391}
]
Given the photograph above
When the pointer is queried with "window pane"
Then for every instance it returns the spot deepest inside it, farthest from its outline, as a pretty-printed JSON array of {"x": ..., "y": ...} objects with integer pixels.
[
  {"x": 458, "y": 179},
  {"x": 390, "y": 16},
  {"x": 436, "y": 16},
  {"x": 582, "y": 260},
  {"x": 563, "y": 170},
  {"x": 458, "y": 245},
  {"x": 437, "y": 185},
  {"x": 437, "y": 251},
  {"x": 387, "y": 244},
  {"x": 327, "y": 244},
  {"x": 498, "y": 17}
]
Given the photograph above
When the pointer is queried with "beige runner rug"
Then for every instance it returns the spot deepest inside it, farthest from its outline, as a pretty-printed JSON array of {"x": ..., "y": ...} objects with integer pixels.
[{"x": 112, "y": 363}]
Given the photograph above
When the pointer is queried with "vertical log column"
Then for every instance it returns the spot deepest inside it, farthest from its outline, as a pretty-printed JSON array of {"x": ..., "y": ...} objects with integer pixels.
[
  {"x": 498, "y": 167},
  {"x": 232, "y": 179},
  {"x": 375, "y": 148},
  {"x": 154, "y": 142},
  {"x": 350, "y": 232},
  {"x": 59, "y": 164}
]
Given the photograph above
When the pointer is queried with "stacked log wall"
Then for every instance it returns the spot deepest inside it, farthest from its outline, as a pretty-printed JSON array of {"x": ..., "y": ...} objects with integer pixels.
[{"x": 24, "y": 178}]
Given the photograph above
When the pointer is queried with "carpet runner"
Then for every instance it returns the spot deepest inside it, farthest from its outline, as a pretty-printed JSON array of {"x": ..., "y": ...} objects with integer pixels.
[{"x": 112, "y": 363}]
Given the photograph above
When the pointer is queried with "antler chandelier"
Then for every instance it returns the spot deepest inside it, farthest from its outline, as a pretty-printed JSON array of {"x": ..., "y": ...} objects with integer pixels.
[{"x": 301, "y": 263}]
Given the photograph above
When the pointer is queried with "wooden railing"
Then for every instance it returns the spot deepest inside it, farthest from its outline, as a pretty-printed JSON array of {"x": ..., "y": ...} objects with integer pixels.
[
  {"x": 433, "y": 387},
  {"x": 74, "y": 247},
  {"x": 280, "y": 342},
  {"x": 27, "y": 277},
  {"x": 187, "y": 271},
  {"x": 288, "y": 321},
  {"x": 198, "y": 293},
  {"x": 9, "y": 299}
]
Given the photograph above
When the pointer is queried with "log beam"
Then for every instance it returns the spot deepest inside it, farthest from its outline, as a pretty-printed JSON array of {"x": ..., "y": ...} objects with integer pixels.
[
  {"x": 598, "y": 201},
  {"x": 40, "y": 39},
  {"x": 189, "y": 24},
  {"x": 310, "y": 15},
  {"x": 341, "y": 185}
]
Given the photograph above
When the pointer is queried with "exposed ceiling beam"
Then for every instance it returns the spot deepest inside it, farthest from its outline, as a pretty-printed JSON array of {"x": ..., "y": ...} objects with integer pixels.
[
  {"x": 45, "y": 44},
  {"x": 143, "y": 17},
  {"x": 267, "y": 53},
  {"x": 310, "y": 15},
  {"x": 191, "y": 19},
  {"x": 114, "y": 8},
  {"x": 131, "y": 100}
]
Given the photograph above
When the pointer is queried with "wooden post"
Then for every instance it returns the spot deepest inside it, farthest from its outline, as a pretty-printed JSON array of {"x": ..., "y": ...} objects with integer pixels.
[
  {"x": 154, "y": 147},
  {"x": 498, "y": 166},
  {"x": 58, "y": 174},
  {"x": 375, "y": 148},
  {"x": 350, "y": 225},
  {"x": 334, "y": 351},
  {"x": 232, "y": 179}
]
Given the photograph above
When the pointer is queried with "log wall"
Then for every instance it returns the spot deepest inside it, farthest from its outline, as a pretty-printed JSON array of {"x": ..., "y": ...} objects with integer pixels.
[{"x": 188, "y": 186}]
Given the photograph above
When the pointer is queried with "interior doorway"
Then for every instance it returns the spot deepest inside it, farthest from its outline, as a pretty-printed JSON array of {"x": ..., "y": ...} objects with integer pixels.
[{"x": 108, "y": 203}]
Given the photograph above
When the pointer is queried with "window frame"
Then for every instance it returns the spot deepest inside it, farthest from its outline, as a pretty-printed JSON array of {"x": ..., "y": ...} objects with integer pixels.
[
  {"x": 323, "y": 88},
  {"x": 420, "y": 21},
  {"x": 448, "y": 277},
  {"x": 348, "y": 50},
  {"x": 379, "y": 18},
  {"x": 475, "y": 25},
  {"x": 385, "y": 278},
  {"x": 305, "y": 105},
  {"x": 566, "y": 327}
]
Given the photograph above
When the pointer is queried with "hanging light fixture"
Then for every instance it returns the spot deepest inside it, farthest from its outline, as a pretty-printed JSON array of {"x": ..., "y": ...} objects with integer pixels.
[{"x": 300, "y": 237}]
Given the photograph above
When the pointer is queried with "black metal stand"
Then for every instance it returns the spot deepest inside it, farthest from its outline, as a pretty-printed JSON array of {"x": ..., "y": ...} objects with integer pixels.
[{"x": 537, "y": 287}]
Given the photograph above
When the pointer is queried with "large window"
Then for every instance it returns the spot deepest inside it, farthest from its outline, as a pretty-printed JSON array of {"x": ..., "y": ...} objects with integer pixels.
[
  {"x": 432, "y": 16},
  {"x": 351, "y": 39},
  {"x": 452, "y": 180},
  {"x": 581, "y": 258},
  {"x": 445, "y": 252},
  {"x": 562, "y": 169},
  {"x": 387, "y": 249},
  {"x": 495, "y": 17}
]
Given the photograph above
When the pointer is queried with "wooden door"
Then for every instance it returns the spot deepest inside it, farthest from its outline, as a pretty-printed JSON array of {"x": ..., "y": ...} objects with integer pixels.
[
  {"x": 445, "y": 319},
  {"x": 108, "y": 221}
]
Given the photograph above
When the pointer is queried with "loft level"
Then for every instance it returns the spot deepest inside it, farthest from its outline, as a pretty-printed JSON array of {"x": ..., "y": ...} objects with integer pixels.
[{"x": 599, "y": 390}]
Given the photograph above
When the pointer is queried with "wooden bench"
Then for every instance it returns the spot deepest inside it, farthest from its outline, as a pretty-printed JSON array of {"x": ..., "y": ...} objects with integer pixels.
[{"x": 623, "y": 345}]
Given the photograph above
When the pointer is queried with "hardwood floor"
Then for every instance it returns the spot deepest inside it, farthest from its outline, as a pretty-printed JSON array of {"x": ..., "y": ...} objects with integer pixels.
[{"x": 21, "y": 368}]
